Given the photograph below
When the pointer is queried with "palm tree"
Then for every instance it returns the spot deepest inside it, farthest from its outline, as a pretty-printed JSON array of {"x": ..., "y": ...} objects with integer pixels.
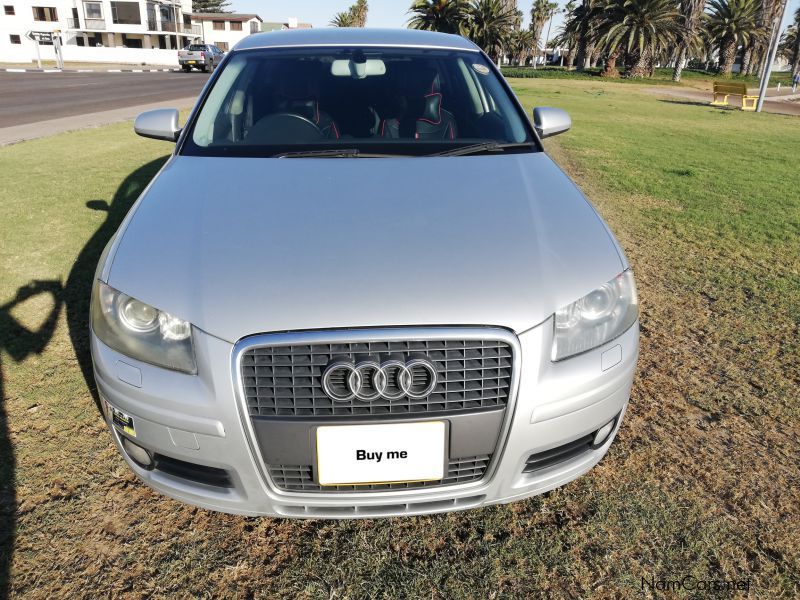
[
  {"x": 343, "y": 19},
  {"x": 541, "y": 11},
  {"x": 641, "y": 28},
  {"x": 691, "y": 16},
  {"x": 791, "y": 44},
  {"x": 755, "y": 49},
  {"x": 568, "y": 37},
  {"x": 582, "y": 25},
  {"x": 488, "y": 24},
  {"x": 520, "y": 46},
  {"x": 730, "y": 23},
  {"x": 359, "y": 11},
  {"x": 447, "y": 16},
  {"x": 355, "y": 16}
]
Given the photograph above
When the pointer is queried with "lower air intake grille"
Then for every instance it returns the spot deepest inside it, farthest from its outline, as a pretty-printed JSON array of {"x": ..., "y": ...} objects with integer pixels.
[
  {"x": 543, "y": 460},
  {"x": 192, "y": 471},
  {"x": 300, "y": 478}
]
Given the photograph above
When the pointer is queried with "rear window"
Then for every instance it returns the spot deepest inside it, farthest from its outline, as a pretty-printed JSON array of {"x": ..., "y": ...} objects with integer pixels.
[
  {"x": 196, "y": 48},
  {"x": 381, "y": 100}
]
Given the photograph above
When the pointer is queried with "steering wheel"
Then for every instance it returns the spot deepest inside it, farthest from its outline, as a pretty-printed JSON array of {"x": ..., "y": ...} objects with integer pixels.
[{"x": 284, "y": 128}]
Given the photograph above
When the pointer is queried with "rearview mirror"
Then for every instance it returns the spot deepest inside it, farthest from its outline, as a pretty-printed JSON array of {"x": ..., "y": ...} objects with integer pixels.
[
  {"x": 550, "y": 121},
  {"x": 358, "y": 70},
  {"x": 160, "y": 124}
]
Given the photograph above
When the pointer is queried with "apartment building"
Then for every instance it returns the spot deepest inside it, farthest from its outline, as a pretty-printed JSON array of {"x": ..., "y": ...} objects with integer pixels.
[
  {"x": 225, "y": 29},
  {"x": 126, "y": 31}
]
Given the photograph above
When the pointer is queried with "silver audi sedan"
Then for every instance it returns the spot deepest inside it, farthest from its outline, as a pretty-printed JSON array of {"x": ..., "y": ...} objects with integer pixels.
[{"x": 359, "y": 287}]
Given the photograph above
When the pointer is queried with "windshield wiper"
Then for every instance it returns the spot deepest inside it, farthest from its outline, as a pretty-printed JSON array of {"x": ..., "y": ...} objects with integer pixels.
[
  {"x": 483, "y": 147},
  {"x": 334, "y": 153}
]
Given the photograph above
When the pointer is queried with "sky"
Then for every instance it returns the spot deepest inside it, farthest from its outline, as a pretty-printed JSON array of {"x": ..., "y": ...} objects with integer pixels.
[{"x": 382, "y": 13}]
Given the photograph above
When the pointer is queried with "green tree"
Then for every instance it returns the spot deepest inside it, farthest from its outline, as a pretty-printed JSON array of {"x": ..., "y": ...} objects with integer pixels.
[
  {"x": 343, "y": 19},
  {"x": 520, "y": 46},
  {"x": 640, "y": 28},
  {"x": 581, "y": 25},
  {"x": 446, "y": 16},
  {"x": 568, "y": 37},
  {"x": 359, "y": 11},
  {"x": 688, "y": 37},
  {"x": 541, "y": 11},
  {"x": 790, "y": 44},
  {"x": 731, "y": 23},
  {"x": 355, "y": 16},
  {"x": 489, "y": 23},
  {"x": 210, "y": 6}
]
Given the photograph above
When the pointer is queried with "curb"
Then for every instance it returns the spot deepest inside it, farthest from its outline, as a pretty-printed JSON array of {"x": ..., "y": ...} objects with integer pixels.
[{"x": 90, "y": 71}]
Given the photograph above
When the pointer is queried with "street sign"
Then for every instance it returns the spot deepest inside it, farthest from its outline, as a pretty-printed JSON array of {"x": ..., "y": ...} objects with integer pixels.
[{"x": 41, "y": 37}]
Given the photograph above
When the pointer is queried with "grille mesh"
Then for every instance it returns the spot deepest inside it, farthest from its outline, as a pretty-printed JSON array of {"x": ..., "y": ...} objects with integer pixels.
[
  {"x": 286, "y": 381},
  {"x": 300, "y": 479}
]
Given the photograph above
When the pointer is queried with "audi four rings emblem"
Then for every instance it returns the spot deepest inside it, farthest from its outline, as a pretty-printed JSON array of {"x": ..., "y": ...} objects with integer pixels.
[{"x": 368, "y": 380}]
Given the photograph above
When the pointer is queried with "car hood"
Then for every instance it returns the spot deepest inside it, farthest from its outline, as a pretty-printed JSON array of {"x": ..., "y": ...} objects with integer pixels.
[{"x": 240, "y": 246}]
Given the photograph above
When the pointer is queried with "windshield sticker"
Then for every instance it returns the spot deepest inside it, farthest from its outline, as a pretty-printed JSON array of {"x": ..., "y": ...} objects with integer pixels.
[{"x": 480, "y": 69}]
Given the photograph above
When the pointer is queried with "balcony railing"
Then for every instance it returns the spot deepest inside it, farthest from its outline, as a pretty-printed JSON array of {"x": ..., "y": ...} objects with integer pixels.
[
  {"x": 73, "y": 24},
  {"x": 95, "y": 23},
  {"x": 169, "y": 26},
  {"x": 194, "y": 29}
]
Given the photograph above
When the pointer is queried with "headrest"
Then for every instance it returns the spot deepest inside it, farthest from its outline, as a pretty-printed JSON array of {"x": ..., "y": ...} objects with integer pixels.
[
  {"x": 299, "y": 83},
  {"x": 432, "y": 109},
  {"x": 424, "y": 81}
]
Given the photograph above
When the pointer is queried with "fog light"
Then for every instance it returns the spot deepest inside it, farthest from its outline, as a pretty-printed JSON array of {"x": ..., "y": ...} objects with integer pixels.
[
  {"x": 602, "y": 434},
  {"x": 138, "y": 454}
]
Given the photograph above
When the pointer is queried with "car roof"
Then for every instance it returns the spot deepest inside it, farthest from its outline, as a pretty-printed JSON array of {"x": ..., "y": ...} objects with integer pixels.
[{"x": 355, "y": 36}]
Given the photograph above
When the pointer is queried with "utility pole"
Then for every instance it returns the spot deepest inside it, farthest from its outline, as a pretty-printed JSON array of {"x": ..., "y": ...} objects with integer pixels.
[{"x": 771, "y": 52}]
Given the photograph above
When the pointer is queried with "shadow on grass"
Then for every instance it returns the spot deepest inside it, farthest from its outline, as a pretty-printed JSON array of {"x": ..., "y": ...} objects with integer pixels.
[
  {"x": 18, "y": 342},
  {"x": 77, "y": 293},
  {"x": 699, "y": 103}
]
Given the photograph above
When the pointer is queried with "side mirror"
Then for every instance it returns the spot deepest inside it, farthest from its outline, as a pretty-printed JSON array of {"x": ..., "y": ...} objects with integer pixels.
[
  {"x": 160, "y": 124},
  {"x": 550, "y": 121}
]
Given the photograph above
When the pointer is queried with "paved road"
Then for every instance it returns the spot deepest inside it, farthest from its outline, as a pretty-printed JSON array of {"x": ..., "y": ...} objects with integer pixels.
[{"x": 33, "y": 97}]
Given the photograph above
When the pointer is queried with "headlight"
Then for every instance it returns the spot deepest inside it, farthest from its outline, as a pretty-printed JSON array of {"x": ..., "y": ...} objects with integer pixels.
[
  {"x": 597, "y": 318},
  {"x": 140, "y": 331}
]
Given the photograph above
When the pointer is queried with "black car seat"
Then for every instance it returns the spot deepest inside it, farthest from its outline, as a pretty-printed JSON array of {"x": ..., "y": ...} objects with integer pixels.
[{"x": 424, "y": 118}]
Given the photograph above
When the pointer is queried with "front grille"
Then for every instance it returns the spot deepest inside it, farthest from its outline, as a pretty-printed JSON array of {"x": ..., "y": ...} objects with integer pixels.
[
  {"x": 300, "y": 478},
  {"x": 286, "y": 381}
]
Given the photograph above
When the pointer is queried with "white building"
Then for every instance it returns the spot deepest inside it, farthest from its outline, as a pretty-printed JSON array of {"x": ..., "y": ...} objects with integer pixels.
[
  {"x": 120, "y": 31},
  {"x": 225, "y": 29}
]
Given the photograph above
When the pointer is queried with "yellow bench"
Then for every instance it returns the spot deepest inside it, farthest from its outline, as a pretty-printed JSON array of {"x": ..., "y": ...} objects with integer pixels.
[{"x": 729, "y": 88}]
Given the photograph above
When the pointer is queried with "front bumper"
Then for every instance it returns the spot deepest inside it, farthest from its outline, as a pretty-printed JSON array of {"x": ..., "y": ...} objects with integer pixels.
[{"x": 197, "y": 420}]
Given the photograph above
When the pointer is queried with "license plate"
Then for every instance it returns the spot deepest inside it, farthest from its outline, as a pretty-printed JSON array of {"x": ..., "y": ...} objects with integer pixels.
[
  {"x": 392, "y": 453},
  {"x": 191, "y": 62}
]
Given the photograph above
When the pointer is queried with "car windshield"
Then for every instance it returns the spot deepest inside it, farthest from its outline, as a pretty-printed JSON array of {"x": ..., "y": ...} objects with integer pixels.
[{"x": 357, "y": 102}]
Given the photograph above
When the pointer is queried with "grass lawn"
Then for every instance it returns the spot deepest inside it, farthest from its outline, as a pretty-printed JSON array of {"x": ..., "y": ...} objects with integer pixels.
[{"x": 704, "y": 479}]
